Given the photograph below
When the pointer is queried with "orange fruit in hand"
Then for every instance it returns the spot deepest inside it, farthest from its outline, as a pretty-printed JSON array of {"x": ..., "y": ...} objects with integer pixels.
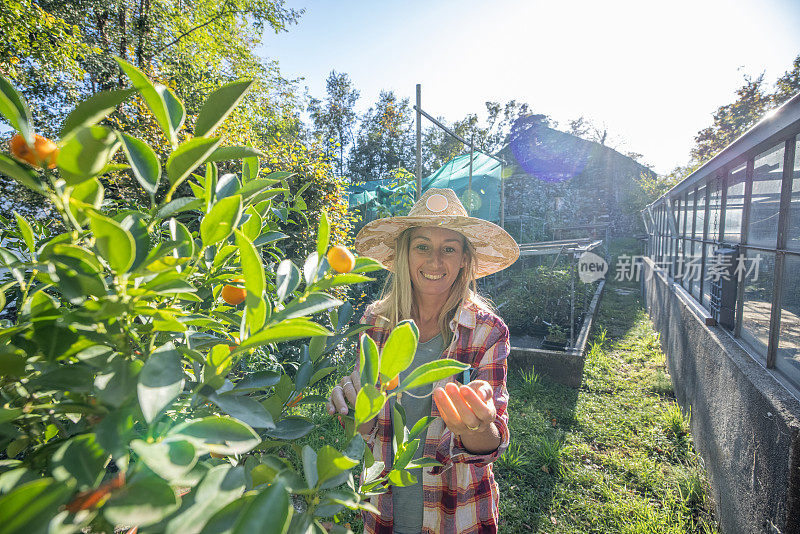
[
  {"x": 341, "y": 259},
  {"x": 234, "y": 295},
  {"x": 44, "y": 151}
]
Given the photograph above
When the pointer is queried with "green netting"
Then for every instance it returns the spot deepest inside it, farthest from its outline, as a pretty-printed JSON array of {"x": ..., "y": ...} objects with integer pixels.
[
  {"x": 381, "y": 198},
  {"x": 484, "y": 202}
]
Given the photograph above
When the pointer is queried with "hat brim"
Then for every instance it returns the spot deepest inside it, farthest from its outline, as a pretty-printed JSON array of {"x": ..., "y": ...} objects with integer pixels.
[{"x": 495, "y": 249}]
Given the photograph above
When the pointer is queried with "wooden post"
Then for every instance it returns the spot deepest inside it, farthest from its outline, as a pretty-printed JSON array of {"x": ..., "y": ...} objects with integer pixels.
[{"x": 419, "y": 141}]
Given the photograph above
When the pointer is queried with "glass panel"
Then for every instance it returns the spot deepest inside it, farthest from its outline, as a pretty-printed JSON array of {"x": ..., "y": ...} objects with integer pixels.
[
  {"x": 793, "y": 236},
  {"x": 693, "y": 269},
  {"x": 788, "y": 360},
  {"x": 758, "y": 269},
  {"x": 690, "y": 215},
  {"x": 764, "y": 207},
  {"x": 733, "y": 205},
  {"x": 714, "y": 207},
  {"x": 707, "y": 276},
  {"x": 700, "y": 213}
]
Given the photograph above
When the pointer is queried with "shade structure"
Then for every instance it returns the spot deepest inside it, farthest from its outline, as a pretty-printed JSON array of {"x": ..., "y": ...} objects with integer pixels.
[{"x": 380, "y": 198}]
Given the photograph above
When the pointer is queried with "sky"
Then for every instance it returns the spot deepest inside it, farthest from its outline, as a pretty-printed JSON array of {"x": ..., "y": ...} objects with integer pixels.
[{"x": 651, "y": 72}]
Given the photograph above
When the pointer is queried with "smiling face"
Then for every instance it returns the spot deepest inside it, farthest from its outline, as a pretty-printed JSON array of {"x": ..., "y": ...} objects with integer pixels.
[{"x": 435, "y": 257}]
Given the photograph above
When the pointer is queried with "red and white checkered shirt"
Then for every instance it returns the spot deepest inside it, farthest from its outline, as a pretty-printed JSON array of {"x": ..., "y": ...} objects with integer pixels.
[{"x": 461, "y": 497}]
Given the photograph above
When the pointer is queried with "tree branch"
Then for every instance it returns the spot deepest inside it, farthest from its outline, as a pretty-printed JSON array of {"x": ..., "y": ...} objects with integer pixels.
[{"x": 184, "y": 34}]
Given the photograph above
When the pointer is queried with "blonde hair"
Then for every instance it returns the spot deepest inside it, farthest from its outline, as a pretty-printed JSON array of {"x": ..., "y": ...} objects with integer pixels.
[{"x": 397, "y": 301}]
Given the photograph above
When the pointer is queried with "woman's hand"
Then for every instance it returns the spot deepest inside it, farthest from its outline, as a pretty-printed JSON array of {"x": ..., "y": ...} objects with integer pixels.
[
  {"x": 467, "y": 408},
  {"x": 343, "y": 393},
  {"x": 469, "y": 412}
]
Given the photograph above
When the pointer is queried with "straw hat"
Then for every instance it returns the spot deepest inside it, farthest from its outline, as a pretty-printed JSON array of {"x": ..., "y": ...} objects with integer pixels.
[{"x": 495, "y": 249}]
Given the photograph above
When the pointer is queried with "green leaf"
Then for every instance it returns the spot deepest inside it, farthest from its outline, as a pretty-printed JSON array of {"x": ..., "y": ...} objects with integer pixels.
[
  {"x": 310, "y": 466},
  {"x": 245, "y": 409},
  {"x": 401, "y": 478},
  {"x": 177, "y": 206},
  {"x": 419, "y": 426},
  {"x": 430, "y": 372},
  {"x": 252, "y": 227},
  {"x": 212, "y": 174},
  {"x": 268, "y": 513},
  {"x": 228, "y": 153},
  {"x": 168, "y": 110},
  {"x": 84, "y": 196},
  {"x": 368, "y": 360},
  {"x": 257, "y": 381},
  {"x": 29, "y": 507},
  {"x": 341, "y": 280},
  {"x": 142, "y": 502},
  {"x": 331, "y": 462},
  {"x": 366, "y": 265},
  {"x": 218, "y": 106},
  {"x": 252, "y": 267},
  {"x": 227, "y": 186},
  {"x": 220, "y": 435},
  {"x": 115, "y": 244},
  {"x": 398, "y": 352},
  {"x": 180, "y": 234},
  {"x": 291, "y": 428},
  {"x": 220, "y": 486},
  {"x": 188, "y": 157},
  {"x": 80, "y": 458},
  {"x": 94, "y": 109},
  {"x": 170, "y": 459},
  {"x": 222, "y": 522},
  {"x": 253, "y": 187},
  {"x": 144, "y": 162},
  {"x": 323, "y": 234},
  {"x": 160, "y": 381},
  {"x": 13, "y": 108},
  {"x": 116, "y": 383},
  {"x": 221, "y": 220},
  {"x": 306, "y": 305},
  {"x": 14, "y": 170},
  {"x": 250, "y": 168},
  {"x": 271, "y": 237},
  {"x": 283, "y": 331},
  {"x": 287, "y": 278},
  {"x": 369, "y": 402},
  {"x": 86, "y": 152},
  {"x": 26, "y": 231}
]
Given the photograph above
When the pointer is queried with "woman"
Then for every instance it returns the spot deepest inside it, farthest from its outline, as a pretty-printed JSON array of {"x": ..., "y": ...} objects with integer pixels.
[{"x": 435, "y": 254}]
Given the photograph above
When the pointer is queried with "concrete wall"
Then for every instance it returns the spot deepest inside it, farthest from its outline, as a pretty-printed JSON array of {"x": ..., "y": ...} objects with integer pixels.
[{"x": 745, "y": 424}]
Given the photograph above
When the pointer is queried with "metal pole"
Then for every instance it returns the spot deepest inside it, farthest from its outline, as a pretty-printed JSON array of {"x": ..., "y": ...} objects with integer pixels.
[
  {"x": 469, "y": 189},
  {"x": 502, "y": 198},
  {"x": 419, "y": 141},
  {"x": 572, "y": 303}
]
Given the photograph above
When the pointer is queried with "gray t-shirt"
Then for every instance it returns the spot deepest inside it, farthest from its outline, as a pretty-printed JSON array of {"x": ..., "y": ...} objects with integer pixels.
[{"x": 407, "y": 501}]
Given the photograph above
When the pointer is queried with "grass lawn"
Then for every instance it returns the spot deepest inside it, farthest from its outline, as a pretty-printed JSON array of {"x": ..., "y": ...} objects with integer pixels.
[{"x": 613, "y": 456}]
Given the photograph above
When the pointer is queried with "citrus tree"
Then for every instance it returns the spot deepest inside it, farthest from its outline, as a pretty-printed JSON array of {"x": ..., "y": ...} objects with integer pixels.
[{"x": 126, "y": 393}]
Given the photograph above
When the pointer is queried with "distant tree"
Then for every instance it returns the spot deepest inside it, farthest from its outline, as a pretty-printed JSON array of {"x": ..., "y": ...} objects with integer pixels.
[
  {"x": 788, "y": 85},
  {"x": 385, "y": 139},
  {"x": 335, "y": 117},
  {"x": 732, "y": 120}
]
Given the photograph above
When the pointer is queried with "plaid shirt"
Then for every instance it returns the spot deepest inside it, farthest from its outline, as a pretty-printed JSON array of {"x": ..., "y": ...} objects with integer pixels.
[{"x": 461, "y": 496}]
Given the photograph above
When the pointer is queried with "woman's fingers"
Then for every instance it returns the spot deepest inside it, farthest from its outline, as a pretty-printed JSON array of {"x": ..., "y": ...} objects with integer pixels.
[
  {"x": 338, "y": 400},
  {"x": 446, "y": 408},
  {"x": 468, "y": 418},
  {"x": 355, "y": 377},
  {"x": 484, "y": 411}
]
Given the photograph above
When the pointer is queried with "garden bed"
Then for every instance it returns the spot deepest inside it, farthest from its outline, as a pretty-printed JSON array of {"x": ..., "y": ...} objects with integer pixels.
[{"x": 562, "y": 366}]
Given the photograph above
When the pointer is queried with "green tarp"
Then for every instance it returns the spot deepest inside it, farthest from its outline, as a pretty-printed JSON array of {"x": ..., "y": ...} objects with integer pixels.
[{"x": 381, "y": 198}]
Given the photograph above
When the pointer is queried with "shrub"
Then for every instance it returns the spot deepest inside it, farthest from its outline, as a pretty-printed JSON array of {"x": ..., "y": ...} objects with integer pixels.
[{"x": 129, "y": 390}]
